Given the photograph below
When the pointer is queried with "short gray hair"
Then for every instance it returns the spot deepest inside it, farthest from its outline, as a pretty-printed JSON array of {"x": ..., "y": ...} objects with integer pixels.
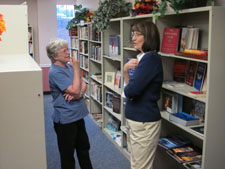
[{"x": 53, "y": 47}]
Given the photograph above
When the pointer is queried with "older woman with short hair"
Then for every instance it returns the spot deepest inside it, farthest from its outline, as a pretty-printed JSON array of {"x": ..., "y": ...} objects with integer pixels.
[{"x": 67, "y": 90}]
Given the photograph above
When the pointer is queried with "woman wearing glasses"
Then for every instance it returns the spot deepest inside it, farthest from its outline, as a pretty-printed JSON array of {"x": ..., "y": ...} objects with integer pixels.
[{"x": 142, "y": 91}]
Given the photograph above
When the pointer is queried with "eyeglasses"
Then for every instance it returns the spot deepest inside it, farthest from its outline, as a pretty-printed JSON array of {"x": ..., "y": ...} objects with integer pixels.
[{"x": 136, "y": 34}]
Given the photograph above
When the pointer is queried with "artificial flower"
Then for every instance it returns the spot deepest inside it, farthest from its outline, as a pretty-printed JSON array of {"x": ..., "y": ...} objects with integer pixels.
[
  {"x": 2, "y": 25},
  {"x": 144, "y": 6}
]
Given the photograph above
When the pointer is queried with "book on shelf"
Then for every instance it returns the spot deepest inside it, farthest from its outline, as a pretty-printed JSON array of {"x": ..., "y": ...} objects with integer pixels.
[
  {"x": 198, "y": 110},
  {"x": 189, "y": 38},
  {"x": 191, "y": 55},
  {"x": 117, "y": 84},
  {"x": 116, "y": 101},
  {"x": 204, "y": 86},
  {"x": 73, "y": 31},
  {"x": 194, "y": 165},
  {"x": 113, "y": 124},
  {"x": 97, "y": 76},
  {"x": 97, "y": 116},
  {"x": 96, "y": 91},
  {"x": 185, "y": 154},
  {"x": 75, "y": 54},
  {"x": 199, "y": 76},
  {"x": 198, "y": 129},
  {"x": 110, "y": 79},
  {"x": 172, "y": 102},
  {"x": 170, "y": 40},
  {"x": 108, "y": 99},
  {"x": 94, "y": 34},
  {"x": 173, "y": 141},
  {"x": 96, "y": 52},
  {"x": 179, "y": 70},
  {"x": 190, "y": 76},
  {"x": 196, "y": 52},
  {"x": 114, "y": 45},
  {"x": 84, "y": 47}
]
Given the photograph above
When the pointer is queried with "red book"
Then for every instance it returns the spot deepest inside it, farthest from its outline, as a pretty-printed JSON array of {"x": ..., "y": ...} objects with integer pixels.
[
  {"x": 190, "y": 77},
  {"x": 170, "y": 40},
  {"x": 196, "y": 52},
  {"x": 189, "y": 55},
  {"x": 73, "y": 31}
]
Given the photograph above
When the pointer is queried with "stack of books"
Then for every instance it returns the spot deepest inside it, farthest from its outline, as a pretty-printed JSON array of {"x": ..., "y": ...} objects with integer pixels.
[{"x": 181, "y": 150}]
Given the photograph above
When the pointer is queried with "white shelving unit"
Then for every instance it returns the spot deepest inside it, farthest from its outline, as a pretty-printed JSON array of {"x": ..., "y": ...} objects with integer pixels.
[
  {"x": 22, "y": 130},
  {"x": 210, "y": 22}
]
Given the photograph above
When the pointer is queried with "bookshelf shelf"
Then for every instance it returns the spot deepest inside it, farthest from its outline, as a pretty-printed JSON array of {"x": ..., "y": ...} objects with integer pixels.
[
  {"x": 113, "y": 58},
  {"x": 187, "y": 129},
  {"x": 118, "y": 116},
  {"x": 74, "y": 49},
  {"x": 93, "y": 41},
  {"x": 184, "y": 90},
  {"x": 181, "y": 57},
  {"x": 130, "y": 49},
  {"x": 113, "y": 89},
  {"x": 93, "y": 77},
  {"x": 96, "y": 61},
  {"x": 95, "y": 99}
]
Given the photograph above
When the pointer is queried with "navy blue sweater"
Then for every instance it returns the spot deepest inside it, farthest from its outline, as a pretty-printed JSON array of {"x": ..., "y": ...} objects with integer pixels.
[{"x": 143, "y": 90}]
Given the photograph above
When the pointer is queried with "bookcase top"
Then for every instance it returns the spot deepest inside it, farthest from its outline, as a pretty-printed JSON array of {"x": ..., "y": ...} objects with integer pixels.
[{"x": 17, "y": 63}]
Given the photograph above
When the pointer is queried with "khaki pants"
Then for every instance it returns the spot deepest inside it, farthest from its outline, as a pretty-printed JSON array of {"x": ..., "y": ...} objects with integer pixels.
[{"x": 142, "y": 142}]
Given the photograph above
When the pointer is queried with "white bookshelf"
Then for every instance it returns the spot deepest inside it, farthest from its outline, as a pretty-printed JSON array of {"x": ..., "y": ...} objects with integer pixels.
[
  {"x": 210, "y": 22},
  {"x": 22, "y": 130}
]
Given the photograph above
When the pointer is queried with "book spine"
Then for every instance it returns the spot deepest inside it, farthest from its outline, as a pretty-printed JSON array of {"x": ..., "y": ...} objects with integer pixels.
[{"x": 196, "y": 52}]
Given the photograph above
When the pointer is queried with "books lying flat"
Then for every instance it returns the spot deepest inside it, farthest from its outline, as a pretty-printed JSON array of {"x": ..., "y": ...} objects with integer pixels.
[
  {"x": 184, "y": 119},
  {"x": 198, "y": 129},
  {"x": 172, "y": 142},
  {"x": 194, "y": 165},
  {"x": 194, "y": 56},
  {"x": 185, "y": 154}
]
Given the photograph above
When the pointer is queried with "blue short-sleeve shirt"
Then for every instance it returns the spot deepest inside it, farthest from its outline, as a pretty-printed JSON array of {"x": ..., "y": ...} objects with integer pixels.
[{"x": 60, "y": 79}]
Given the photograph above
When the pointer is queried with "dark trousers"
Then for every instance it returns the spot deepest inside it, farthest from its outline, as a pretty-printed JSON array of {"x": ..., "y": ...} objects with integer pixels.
[{"x": 71, "y": 137}]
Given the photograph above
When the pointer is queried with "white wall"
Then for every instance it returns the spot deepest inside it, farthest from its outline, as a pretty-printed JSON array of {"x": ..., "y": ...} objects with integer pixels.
[
  {"x": 90, "y": 4},
  {"x": 47, "y": 26},
  {"x": 66, "y": 2}
]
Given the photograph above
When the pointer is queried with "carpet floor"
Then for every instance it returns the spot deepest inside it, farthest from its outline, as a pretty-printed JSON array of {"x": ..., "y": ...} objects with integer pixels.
[{"x": 103, "y": 153}]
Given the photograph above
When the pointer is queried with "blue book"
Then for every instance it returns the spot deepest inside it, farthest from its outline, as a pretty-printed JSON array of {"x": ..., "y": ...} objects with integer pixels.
[
  {"x": 172, "y": 142},
  {"x": 199, "y": 76},
  {"x": 131, "y": 71},
  {"x": 185, "y": 116}
]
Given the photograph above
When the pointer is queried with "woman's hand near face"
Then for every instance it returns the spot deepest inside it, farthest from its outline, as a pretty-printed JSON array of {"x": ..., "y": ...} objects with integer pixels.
[
  {"x": 75, "y": 63},
  {"x": 132, "y": 64}
]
